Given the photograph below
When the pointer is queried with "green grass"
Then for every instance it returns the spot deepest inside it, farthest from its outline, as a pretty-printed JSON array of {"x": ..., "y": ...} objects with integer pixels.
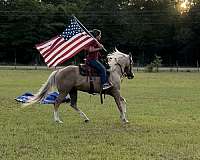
[{"x": 163, "y": 110}]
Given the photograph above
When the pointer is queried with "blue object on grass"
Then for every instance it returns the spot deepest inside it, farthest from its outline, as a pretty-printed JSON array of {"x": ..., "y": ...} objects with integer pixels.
[
  {"x": 49, "y": 99},
  {"x": 24, "y": 97}
]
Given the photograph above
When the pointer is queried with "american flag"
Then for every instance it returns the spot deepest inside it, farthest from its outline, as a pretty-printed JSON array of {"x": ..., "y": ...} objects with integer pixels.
[{"x": 63, "y": 47}]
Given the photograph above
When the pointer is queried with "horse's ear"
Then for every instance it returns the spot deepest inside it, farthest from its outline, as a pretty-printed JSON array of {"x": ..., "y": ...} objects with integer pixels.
[
  {"x": 130, "y": 54},
  {"x": 116, "y": 50}
]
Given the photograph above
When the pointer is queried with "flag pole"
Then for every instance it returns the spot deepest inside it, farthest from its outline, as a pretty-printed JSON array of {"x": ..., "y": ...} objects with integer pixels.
[{"x": 85, "y": 29}]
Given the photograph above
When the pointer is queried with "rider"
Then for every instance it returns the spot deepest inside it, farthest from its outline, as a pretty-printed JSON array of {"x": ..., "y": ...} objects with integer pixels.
[{"x": 92, "y": 58}]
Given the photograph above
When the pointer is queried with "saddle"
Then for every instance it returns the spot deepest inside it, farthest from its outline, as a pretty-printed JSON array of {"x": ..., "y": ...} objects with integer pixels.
[{"x": 86, "y": 70}]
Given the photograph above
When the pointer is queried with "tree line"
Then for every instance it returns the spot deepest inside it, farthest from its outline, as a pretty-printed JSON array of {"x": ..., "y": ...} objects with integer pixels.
[{"x": 145, "y": 28}]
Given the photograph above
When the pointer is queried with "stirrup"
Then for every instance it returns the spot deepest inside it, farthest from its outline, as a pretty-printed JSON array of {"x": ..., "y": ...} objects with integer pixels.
[{"x": 107, "y": 86}]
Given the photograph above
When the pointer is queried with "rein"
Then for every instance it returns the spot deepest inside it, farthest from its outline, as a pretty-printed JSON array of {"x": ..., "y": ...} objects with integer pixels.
[
  {"x": 130, "y": 69},
  {"x": 122, "y": 72},
  {"x": 120, "y": 66}
]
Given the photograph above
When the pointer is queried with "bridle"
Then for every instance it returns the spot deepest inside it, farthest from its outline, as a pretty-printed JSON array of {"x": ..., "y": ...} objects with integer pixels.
[
  {"x": 130, "y": 64},
  {"x": 120, "y": 66},
  {"x": 124, "y": 74}
]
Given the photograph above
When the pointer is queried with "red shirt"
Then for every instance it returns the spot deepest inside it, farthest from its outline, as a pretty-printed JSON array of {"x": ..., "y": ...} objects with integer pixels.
[{"x": 92, "y": 55}]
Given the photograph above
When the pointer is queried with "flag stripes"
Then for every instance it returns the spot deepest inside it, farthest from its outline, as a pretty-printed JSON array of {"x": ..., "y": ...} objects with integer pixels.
[
  {"x": 57, "y": 50},
  {"x": 63, "y": 47}
]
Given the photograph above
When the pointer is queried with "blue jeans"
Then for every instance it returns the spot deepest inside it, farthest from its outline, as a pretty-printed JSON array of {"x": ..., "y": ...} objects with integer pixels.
[{"x": 100, "y": 69}]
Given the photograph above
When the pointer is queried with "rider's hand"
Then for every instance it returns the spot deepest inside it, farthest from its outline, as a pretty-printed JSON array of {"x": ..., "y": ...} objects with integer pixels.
[{"x": 101, "y": 46}]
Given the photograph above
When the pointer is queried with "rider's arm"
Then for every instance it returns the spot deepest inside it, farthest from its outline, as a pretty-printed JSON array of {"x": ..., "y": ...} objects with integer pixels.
[{"x": 94, "y": 49}]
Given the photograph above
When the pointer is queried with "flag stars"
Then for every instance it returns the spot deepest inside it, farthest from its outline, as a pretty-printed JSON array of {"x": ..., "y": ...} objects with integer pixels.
[
  {"x": 72, "y": 30},
  {"x": 72, "y": 34}
]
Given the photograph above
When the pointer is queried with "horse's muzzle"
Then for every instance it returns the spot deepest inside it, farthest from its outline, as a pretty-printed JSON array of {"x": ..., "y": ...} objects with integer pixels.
[{"x": 131, "y": 76}]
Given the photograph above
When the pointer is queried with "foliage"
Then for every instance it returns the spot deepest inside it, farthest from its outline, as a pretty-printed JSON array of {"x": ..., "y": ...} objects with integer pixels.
[
  {"x": 137, "y": 26},
  {"x": 154, "y": 64},
  {"x": 157, "y": 62}
]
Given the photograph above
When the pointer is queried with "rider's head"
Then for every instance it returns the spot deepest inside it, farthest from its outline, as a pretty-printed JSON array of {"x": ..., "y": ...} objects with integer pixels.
[{"x": 96, "y": 33}]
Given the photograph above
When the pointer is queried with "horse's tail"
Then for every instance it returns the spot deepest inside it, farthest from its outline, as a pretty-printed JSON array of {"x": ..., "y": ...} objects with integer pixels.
[{"x": 43, "y": 90}]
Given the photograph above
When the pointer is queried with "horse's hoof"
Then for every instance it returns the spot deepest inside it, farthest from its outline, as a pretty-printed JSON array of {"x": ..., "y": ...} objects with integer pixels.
[
  {"x": 87, "y": 120},
  {"x": 59, "y": 121},
  {"x": 125, "y": 121}
]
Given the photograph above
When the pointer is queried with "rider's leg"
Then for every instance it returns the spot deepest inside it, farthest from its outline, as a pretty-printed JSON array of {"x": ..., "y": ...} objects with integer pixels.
[{"x": 101, "y": 70}]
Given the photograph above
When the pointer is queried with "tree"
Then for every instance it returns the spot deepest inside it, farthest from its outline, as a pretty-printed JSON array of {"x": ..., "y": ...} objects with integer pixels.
[{"x": 142, "y": 27}]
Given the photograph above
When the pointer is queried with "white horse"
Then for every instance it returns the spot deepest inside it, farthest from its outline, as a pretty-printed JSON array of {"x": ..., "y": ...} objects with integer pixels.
[{"x": 68, "y": 81}]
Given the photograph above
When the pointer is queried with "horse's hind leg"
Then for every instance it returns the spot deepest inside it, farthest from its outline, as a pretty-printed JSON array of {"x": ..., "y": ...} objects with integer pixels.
[
  {"x": 73, "y": 95},
  {"x": 59, "y": 100}
]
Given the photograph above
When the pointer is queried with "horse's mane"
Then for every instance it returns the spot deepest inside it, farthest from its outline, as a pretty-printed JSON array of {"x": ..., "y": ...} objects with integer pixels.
[{"x": 114, "y": 57}]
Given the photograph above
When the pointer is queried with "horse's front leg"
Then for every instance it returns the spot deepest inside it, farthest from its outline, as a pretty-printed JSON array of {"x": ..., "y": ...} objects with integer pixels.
[
  {"x": 123, "y": 101},
  {"x": 120, "y": 101}
]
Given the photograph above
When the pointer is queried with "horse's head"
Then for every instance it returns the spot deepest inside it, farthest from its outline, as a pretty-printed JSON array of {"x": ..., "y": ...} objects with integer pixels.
[
  {"x": 124, "y": 61},
  {"x": 129, "y": 67}
]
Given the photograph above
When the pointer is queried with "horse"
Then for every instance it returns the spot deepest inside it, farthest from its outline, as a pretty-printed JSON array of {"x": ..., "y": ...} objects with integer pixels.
[{"x": 68, "y": 80}]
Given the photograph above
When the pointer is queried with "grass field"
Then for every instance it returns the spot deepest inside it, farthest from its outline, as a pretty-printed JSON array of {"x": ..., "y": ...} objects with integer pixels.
[{"x": 163, "y": 110}]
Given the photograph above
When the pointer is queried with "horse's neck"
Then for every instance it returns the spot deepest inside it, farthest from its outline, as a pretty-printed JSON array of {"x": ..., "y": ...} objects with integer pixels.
[{"x": 115, "y": 68}]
